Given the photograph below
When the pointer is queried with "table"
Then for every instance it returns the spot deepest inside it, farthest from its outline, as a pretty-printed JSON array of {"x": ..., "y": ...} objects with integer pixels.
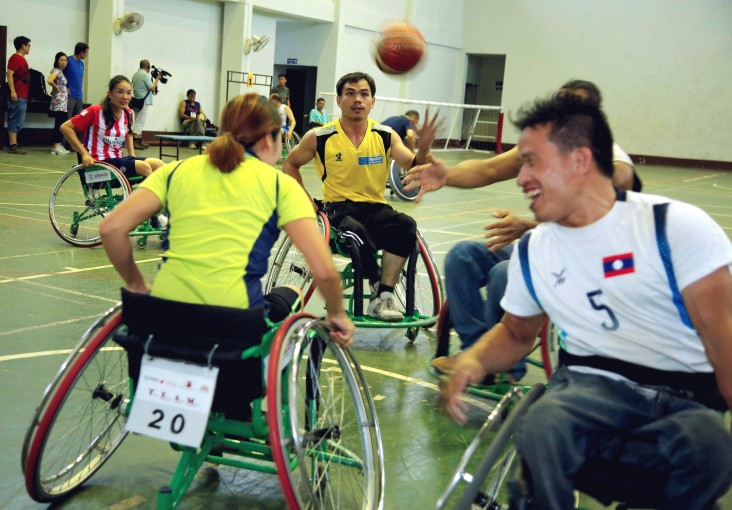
[{"x": 182, "y": 138}]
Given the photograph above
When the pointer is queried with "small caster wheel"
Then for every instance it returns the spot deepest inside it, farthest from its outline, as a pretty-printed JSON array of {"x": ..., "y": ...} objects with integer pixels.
[
  {"x": 411, "y": 334},
  {"x": 142, "y": 242}
]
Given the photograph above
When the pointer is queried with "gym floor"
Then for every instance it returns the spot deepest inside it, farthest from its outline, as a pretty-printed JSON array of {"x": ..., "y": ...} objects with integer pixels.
[{"x": 51, "y": 292}]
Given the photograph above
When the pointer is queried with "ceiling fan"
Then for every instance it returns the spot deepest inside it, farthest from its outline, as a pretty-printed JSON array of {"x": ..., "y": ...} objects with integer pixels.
[
  {"x": 256, "y": 43},
  {"x": 130, "y": 22}
]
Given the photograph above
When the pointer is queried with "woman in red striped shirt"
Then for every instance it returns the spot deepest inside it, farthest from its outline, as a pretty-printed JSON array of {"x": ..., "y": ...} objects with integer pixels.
[{"x": 107, "y": 128}]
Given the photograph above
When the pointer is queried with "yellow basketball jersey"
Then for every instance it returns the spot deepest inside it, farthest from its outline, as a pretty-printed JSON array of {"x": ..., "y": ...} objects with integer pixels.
[{"x": 353, "y": 173}]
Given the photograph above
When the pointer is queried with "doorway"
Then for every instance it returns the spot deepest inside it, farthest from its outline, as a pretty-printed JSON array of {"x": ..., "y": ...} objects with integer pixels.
[{"x": 301, "y": 82}]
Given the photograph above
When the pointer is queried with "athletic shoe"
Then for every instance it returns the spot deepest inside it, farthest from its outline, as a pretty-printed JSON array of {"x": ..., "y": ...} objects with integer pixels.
[
  {"x": 59, "y": 151},
  {"x": 14, "y": 149},
  {"x": 385, "y": 308},
  {"x": 204, "y": 146},
  {"x": 159, "y": 221},
  {"x": 192, "y": 146}
]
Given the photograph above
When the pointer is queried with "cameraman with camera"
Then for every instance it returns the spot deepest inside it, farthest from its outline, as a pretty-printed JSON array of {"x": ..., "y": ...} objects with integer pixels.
[{"x": 144, "y": 86}]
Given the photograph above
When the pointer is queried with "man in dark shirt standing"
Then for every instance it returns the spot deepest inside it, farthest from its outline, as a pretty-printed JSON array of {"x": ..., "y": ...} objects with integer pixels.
[{"x": 404, "y": 126}]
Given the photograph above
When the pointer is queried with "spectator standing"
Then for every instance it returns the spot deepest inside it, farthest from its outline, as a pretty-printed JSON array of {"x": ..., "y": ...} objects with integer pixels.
[
  {"x": 74, "y": 73},
  {"x": 59, "y": 101},
  {"x": 318, "y": 117},
  {"x": 143, "y": 86},
  {"x": 192, "y": 117},
  {"x": 282, "y": 90},
  {"x": 18, "y": 78}
]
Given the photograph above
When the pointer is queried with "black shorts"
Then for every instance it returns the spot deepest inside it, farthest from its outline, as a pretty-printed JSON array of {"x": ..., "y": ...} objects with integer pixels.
[
  {"x": 379, "y": 225},
  {"x": 126, "y": 165},
  {"x": 280, "y": 303}
]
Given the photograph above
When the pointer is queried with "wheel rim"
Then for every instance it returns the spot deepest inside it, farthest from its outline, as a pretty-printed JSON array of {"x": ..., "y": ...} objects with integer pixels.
[{"x": 76, "y": 208}]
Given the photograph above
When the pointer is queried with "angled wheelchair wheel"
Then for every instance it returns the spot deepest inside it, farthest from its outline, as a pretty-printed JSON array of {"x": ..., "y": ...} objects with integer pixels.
[
  {"x": 551, "y": 340},
  {"x": 292, "y": 142},
  {"x": 289, "y": 266},
  {"x": 81, "y": 419},
  {"x": 428, "y": 293},
  {"x": 396, "y": 174},
  {"x": 82, "y": 198},
  {"x": 444, "y": 325},
  {"x": 487, "y": 484},
  {"x": 325, "y": 437}
]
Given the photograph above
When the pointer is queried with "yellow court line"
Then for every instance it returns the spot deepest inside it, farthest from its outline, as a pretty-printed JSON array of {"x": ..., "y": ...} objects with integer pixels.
[
  {"x": 405, "y": 378},
  {"x": 70, "y": 271}
]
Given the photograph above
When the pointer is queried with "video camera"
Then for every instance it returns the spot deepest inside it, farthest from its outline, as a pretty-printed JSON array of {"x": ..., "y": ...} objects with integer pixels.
[{"x": 164, "y": 75}]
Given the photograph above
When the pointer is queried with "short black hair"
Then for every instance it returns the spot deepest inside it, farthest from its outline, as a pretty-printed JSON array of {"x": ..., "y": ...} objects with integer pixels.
[
  {"x": 80, "y": 48},
  {"x": 281, "y": 75},
  {"x": 190, "y": 91},
  {"x": 412, "y": 113},
  {"x": 353, "y": 78},
  {"x": 575, "y": 122},
  {"x": 589, "y": 88},
  {"x": 20, "y": 41}
]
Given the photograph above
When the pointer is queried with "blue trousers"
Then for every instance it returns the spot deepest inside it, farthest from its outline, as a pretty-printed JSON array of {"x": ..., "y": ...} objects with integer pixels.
[
  {"x": 469, "y": 267},
  {"x": 585, "y": 416}
]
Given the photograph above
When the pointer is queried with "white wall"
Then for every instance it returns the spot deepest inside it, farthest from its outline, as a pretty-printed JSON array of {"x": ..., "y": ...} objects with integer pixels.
[{"x": 664, "y": 66}]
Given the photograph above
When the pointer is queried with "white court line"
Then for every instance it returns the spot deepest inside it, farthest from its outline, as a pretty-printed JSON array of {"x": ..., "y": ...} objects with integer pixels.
[
  {"x": 42, "y": 170},
  {"x": 25, "y": 255}
]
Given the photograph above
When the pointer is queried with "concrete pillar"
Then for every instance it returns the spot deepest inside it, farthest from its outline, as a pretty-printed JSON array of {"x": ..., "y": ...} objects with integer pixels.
[{"x": 105, "y": 48}]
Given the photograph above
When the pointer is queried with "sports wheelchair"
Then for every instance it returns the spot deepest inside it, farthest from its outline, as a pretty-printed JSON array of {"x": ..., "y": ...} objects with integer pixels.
[
  {"x": 549, "y": 341},
  {"x": 395, "y": 185},
  {"x": 419, "y": 289},
  {"x": 303, "y": 408},
  {"x": 84, "y": 196},
  {"x": 499, "y": 480}
]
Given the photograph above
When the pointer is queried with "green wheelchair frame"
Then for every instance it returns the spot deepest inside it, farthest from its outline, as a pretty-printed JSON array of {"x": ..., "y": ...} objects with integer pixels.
[
  {"x": 549, "y": 341},
  {"x": 419, "y": 290},
  {"x": 319, "y": 435},
  {"x": 81, "y": 199}
]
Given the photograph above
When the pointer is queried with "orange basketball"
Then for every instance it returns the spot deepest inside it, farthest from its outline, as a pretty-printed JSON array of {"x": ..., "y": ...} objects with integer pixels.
[{"x": 399, "y": 48}]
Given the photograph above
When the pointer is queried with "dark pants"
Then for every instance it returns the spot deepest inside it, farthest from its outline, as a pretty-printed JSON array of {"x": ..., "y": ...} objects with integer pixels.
[
  {"x": 58, "y": 119},
  {"x": 376, "y": 227}
]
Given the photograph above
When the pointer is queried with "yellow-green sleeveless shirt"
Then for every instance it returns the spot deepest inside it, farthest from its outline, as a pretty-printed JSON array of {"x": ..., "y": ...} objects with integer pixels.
[{"x": 353, "y": 173}]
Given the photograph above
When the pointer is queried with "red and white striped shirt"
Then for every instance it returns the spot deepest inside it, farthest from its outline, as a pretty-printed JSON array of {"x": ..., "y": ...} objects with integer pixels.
[{"x": 102, "y": 142}]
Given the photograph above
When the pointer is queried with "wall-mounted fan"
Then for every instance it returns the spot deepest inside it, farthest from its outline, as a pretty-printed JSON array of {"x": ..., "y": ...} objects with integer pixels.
[
  {"x": 256, "y": 43},
  {"x": 130, "y": 22}
]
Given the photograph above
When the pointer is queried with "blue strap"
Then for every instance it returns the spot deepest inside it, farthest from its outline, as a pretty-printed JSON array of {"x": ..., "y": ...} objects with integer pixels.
[
  {"x": 523, "y": 249},
  {"x": 659, "y": 216}
]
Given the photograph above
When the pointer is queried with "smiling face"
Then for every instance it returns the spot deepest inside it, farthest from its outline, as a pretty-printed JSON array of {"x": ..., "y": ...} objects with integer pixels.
[
  {"x": 120, "y": 95},
  {"x": 356, "y": 101},
  {"x": 547, "y": 175}
]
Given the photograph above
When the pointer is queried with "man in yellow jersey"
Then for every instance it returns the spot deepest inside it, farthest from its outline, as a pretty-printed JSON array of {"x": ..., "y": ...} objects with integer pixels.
[{"x": 352, "y": 157}]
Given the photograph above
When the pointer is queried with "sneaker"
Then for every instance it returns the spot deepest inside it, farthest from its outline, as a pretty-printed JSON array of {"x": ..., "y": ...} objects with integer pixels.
[
  {"x": 59, "y": 151},
  {"x": 139, "y": 146},
  {"x": 159, "y": 221},
  {"x": 204, "y": 146},
  {"x": 14, "y": 149},
  {"x": 385, "y": 308},
  {"x": 192, "y": 146}
]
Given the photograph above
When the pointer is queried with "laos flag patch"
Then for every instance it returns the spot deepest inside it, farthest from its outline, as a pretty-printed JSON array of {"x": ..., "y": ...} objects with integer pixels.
[{"x": 615, "y": 265}]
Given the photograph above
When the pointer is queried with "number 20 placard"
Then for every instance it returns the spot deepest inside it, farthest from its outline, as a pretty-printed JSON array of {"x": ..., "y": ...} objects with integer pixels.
[{"x": 172, "y": 401}]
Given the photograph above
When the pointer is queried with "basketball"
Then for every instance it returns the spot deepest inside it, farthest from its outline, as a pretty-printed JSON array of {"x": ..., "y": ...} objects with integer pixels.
[{"x": 399, "y": 48}]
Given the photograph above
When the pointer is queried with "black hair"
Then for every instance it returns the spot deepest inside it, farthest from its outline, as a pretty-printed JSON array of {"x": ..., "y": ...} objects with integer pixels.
[
  {"x": 190, "y": 91},
  {"x": 58, "y": 56},
  {"x": 575, "y": 122},
  {"x": 354, "y": 78},
  {"x": 80, "y": 48},
  {"x": 20, "y": 41},
  {"x": 109, "y": 118},
  {"x": 591, "y": 91}
]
